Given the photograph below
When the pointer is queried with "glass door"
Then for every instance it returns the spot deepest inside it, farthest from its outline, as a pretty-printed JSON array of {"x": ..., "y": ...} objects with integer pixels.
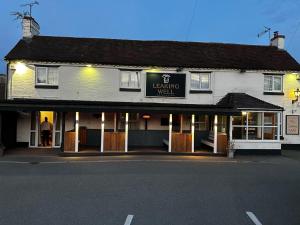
[
  {"x": 57, "y": 129},
  {"x": 34, "y": 129}
]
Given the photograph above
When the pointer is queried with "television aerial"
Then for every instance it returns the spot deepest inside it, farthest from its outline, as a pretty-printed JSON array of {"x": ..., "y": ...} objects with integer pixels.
[
  {"x": 21, "y": 15},
  {"x": 266, "y": 30}
]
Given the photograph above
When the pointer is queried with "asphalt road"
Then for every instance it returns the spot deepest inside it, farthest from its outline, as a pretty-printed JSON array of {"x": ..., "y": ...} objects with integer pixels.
[{"x": 155, "y": 190}]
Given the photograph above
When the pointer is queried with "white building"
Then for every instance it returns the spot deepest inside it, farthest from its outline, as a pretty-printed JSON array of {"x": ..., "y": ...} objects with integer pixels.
[{"x": 122, "y": 95}]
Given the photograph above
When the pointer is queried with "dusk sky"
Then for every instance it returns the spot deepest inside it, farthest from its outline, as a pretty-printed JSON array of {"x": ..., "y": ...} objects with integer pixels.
[{"x": 230, "y": 21}]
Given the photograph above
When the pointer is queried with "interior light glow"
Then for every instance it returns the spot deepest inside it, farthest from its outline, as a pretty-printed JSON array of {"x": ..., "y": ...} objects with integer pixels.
[{"x": 244, "y": 113}]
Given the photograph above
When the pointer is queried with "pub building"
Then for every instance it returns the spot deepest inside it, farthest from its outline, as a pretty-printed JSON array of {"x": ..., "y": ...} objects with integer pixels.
[{"x": 110, "y": 95}]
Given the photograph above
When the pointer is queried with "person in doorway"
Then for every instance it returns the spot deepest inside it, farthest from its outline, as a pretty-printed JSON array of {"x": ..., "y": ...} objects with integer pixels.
[{"x": 46, "y": 128}]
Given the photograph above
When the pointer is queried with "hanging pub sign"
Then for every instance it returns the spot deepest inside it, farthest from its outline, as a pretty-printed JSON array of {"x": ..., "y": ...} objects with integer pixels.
[{"x": 165, "y": 85}]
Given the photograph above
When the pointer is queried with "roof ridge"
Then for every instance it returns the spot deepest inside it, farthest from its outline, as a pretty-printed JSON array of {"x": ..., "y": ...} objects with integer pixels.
[{"x": 156, "y": 40}]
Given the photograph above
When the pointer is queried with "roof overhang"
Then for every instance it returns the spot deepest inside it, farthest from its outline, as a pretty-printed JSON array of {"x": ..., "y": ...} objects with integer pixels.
[{"x": 97, "y": 107}]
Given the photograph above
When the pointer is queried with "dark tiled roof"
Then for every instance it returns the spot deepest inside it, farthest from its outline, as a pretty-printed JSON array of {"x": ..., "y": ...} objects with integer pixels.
[
  {"x": 245, "y": 101},
  {"x": 153, "y": 53}
]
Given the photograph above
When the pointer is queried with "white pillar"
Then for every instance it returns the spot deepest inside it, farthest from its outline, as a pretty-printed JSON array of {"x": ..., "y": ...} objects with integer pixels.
[
  {"x": 216, "y": 134},
  {"x": 278, "y": 126},
  {"x": 230, "y": 128},
  {"x": 126, "y": 132},
  {"x": 102, "y": 131},
  {"x": 170, "y": 132},
  {"x": 115, "y": 122},
  {"x": 76, "y": 131},
  {"x": 181, "y": 123},
  {"x": 193, "y": 132}
]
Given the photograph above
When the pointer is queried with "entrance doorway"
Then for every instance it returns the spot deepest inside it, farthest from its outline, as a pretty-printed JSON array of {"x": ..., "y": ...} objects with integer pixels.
[{"x": 45, "y": 129}]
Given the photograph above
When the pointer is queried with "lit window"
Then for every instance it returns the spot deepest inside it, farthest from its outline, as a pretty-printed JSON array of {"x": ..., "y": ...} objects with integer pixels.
[
  {"x": 201, "y": 122},
  {"x": 273, "y": 83},
  {"x": 130, "y": 79},
  {"x": 256, "y": 126},
  {"x": 46, "y": 76},
  {"x": 200, "y": 81}
]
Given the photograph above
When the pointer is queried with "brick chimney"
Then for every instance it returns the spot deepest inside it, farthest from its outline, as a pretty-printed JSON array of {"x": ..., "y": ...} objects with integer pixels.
[
  {"x": 30, "y": 27},
  {"x": 278, "y": 40}
]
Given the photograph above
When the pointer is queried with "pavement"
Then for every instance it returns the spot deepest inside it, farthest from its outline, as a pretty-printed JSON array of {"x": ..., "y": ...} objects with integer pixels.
[{"x": 150, "y": 190}]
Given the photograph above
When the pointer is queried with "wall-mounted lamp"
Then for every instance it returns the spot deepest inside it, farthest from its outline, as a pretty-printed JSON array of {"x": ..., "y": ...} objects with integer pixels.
[
  {"x": 146, "y": 117},
  {"x": 297, "y": 94}
]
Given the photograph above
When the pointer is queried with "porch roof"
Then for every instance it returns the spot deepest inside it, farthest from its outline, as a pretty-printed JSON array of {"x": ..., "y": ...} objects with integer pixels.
[
  {"x": 243, "y": 101},
  {"x": 93, "y": 106}
]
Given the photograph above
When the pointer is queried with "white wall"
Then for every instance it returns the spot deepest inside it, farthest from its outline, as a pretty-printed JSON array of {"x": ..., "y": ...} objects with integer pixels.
[{"x": 102, "y": 84}]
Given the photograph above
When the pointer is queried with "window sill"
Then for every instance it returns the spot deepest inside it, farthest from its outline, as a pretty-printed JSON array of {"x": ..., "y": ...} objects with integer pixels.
[
  {"x": 273, "y": 93},
  {"x": 46, "y": 86},
  {"x": 201, "y": 91},
  {"x": 130, "y": 89}
]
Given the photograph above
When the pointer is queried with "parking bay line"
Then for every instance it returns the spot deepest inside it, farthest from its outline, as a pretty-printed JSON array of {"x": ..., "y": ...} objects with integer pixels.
[
  {"x": 253, "y": 218},
  {"x": 128, "y": 220}
]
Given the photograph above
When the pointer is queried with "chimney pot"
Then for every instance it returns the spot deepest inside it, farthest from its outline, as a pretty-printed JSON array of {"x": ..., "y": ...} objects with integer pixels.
[{"x": 278, "y": 40}]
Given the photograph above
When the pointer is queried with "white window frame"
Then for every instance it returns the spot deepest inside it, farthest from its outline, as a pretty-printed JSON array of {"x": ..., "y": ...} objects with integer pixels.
[
  {"x": 262, "y": 126},
  {"x": 130, "y": 72},
  {"x": 199, "y": 74},
  {"x": 47, "y": 74},
  {"x": 273, "y": 76}
]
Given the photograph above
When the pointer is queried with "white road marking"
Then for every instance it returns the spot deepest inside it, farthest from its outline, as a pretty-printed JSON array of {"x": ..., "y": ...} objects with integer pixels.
[
  {"x": 128, "y": 220},
  {"x": 253, "y": 218}
]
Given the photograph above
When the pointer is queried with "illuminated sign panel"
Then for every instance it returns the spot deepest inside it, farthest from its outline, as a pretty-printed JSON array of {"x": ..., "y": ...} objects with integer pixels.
[{"x": 165, "y": 85}]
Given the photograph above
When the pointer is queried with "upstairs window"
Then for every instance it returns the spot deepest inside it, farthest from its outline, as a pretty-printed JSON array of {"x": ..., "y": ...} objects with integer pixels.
[
  {"x": 130, "y": 80},
  {"x": 200, "y": 81},
  {"x": 273, "y": 83},
  {"x": 47, "y": 76}
]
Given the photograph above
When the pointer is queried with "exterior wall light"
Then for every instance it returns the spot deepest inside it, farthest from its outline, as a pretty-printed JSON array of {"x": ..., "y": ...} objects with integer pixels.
[
  {"x": 20, "y": 68},
  {"x": 244, "y": 113},
  {"x": 146, "y": 117},
  {"x": 88, "y": 65},
  {"x": 297, "y": 94}
]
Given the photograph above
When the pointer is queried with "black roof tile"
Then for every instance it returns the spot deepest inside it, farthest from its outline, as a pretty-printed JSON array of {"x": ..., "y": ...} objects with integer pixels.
[{"x": 153, "y": 53}]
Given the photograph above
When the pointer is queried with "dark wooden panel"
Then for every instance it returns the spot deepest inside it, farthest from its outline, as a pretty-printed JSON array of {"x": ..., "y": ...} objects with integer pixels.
[
  {"x": 181, "y": 142},
  {"x": 69, "y": 143},
  {"x": 114, "y": 141}
]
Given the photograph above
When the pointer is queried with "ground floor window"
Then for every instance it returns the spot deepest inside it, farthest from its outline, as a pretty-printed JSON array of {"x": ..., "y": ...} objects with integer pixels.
[{"x": 256, "y": 126}]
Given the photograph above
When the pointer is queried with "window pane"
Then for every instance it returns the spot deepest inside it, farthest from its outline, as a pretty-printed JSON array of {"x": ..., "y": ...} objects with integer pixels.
[
  {"x": 32, "y": 138},
  {"x": 268, "y": 83},
  {"x": 52, "y": 76},
  {"x": 204, "y": 80},
  {"x": 41, "y": 75},
  {"x": 134, "y": 79},
  {"x": 58, "y": 120},
  {"x": 57, "y": 138},
  {"x": 270, "y": 119},
  {"x": 239, "y": 120},
  {"x": 277, "y": 83},
  {"x": 239, "y": 133},
  {"x": 255, "y": 118},
  {"x": 254, "y": 133},
  {"x": 33, "y": 120},
  {"x": 195, "y": 81},
  {"x": 270, "y": 133},
  {"x": 125, "y": 76}
]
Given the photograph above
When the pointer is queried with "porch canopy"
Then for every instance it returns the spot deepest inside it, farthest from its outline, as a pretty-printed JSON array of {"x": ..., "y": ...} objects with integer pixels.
[{"x": 93, "y": 106}]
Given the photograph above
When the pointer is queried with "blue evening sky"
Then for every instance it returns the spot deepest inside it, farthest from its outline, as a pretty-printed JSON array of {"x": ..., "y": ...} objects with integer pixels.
[{"x": 229, "y": 21}]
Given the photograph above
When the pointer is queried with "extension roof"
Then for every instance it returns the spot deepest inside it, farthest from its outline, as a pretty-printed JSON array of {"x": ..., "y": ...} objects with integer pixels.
[
  {"x": 153, "y": 53},
  {"x": 243, "y": 101}
]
